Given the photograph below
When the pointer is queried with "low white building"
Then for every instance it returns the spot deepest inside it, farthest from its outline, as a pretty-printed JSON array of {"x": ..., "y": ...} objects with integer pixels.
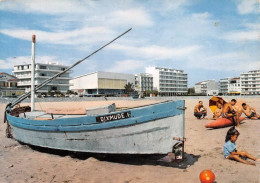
[
  {"x": 8, "y": 86},
  {"x": 169, "y": 82},
  {"x": 209, "y": 87},
  {"x": 42, "y": 72},
  {"x": 199, "y": 87},
  {"x": 143, "y": 82},
  {"x": 101, "y": 83},
  {"x": 250, "y": 83}
]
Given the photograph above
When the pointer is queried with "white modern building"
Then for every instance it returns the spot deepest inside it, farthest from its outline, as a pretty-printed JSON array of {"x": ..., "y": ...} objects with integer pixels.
[
  {"x": 168, "y": 82},
  {"x": 250, "y": 82},
  {"x": 230, "y": 86},
  {"x": 209, "y": 87},
  {"x": 199, "y": 87},
  {"x": 143, "y": 82},
  {"x": 223, "y": 86},
  {"x": 234, "y": 86},
  {"x": 42, "y": 72},
  {"x": 101, "y": 83}
]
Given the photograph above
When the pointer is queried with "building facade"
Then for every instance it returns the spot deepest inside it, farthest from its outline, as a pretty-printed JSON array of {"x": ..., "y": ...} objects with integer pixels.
[
  {"x": 198, "y": 87},
  {"x": 169, "y": 82},
  {"x": 234, "y": 86},
  {"x": 101, "y": 83},
  {"x": 8, "y": 86},
  {"x": 43, "y": 72},
  {"x": 143, "y": 82},
  {"x": 250, "y": 82},
  {"x": 223, "y": 86},
  {"x": 230, "y": 86},
  {"x": 209, "y": 87}
]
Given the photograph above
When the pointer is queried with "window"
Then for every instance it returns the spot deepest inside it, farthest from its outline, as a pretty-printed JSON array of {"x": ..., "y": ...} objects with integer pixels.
[
  {"x": 43, "y": 67},
  {"x": 54, "y": 88}
]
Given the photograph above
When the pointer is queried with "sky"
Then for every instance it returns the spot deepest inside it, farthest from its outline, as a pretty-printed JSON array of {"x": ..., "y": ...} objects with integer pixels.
[{"x": 207, "y": 39}]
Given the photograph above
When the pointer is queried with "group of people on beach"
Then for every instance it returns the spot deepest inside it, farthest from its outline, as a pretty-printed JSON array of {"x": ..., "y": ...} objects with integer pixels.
[{"x": 227, "y": 111}]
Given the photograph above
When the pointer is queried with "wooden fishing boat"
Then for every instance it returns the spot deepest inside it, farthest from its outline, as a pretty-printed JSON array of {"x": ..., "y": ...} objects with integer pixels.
[
  {"x": 143, "y": 130},
  {"x": 152, "y": 129}
]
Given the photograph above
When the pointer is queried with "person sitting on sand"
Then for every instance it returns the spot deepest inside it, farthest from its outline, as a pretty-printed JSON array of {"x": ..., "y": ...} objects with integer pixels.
[
  {"x": 217, "y": 113},
  {"x": 229, "y": 112},
  {"x": 230, "y": 151},
  {"x": 249, "y": 111},
  {"x": 200, "y": 111}
]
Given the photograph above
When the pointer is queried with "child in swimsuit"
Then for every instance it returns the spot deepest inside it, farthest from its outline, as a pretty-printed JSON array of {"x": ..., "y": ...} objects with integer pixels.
[{"x": 230, "y": 151}]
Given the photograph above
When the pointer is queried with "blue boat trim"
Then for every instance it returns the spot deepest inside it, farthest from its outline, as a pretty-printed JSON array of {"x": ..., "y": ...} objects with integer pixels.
[{"x": 89, "y": 123}]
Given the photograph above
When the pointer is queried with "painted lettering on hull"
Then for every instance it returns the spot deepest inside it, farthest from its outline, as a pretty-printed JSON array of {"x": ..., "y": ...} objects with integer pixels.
[{"x": 113, "y": 117}]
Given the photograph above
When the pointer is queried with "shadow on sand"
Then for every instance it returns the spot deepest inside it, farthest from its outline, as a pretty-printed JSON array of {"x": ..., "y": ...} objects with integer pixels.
[
  {"x": 155, "y": 159},
  {"x": 189, "y": 159}
]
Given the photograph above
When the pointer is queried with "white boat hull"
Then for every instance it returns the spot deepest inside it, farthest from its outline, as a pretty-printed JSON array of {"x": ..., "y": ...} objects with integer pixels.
[{"x": 154, "y": 137}]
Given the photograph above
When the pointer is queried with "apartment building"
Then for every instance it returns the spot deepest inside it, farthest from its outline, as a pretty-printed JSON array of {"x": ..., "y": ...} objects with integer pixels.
[
  {"x": 169, "y": 82},
  {"x": 101, "y": 83},
  {"x": 42, "y": 72},
  {"x": 209, "y": 87},
  {"x": 143, "y": 82},
  {"x": 223, "y": 86},
  {"x": 230, "y": 86},
  {"x": 8, "y": 86},
  {"x": 234, "y": 86},
  {"x": 250, "y": 82}
]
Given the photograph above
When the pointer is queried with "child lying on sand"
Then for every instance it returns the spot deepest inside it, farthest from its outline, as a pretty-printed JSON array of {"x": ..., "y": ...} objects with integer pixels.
[{"x": 230, "y": 151}]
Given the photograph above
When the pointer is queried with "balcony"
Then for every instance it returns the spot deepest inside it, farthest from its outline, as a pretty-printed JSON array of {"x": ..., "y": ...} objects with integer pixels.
[
  {"x": 47, "y": 77},
  {"x": 51, "y": 70},
  {"x": 23, "y": 76},
  {"x": 55, "y": 84},
  {"x": 25, "y": 70},
  {"x": 37, "y": 83}
]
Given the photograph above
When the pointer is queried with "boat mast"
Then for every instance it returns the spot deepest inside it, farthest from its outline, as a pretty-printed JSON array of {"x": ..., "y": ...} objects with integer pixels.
[{"x": 33, "y": 73}]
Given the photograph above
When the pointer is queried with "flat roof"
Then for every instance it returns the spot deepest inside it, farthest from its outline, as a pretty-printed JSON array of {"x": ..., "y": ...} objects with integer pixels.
[
  {"x": 101, "y": 72},
  {"x": 52, "y": 64}
]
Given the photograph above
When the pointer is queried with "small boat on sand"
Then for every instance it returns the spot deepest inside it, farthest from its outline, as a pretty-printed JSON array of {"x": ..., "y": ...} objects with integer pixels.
[
  {"x": 151, "y": 129},
  {"x": 148, "y": 129}
]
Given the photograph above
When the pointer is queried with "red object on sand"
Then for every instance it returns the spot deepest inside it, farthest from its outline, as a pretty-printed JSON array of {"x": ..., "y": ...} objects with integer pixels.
[
  {"x": 207, "y": 176},
  {"x": 222, "y": 122}
]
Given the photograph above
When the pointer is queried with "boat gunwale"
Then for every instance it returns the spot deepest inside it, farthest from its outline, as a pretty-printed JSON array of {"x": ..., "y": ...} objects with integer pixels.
[{"x": 79, "y": 126}]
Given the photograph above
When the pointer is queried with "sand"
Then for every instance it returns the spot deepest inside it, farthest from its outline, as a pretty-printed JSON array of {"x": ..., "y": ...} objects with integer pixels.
[{"x": 22, "y": 163}]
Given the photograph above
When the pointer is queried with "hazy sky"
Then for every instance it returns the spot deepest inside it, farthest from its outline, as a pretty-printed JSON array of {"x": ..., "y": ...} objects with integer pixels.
[{"x": 208, "y": 39}]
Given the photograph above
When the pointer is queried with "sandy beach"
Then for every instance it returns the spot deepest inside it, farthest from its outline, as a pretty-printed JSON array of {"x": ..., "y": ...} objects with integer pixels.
[{"x": 203, "y": 150}]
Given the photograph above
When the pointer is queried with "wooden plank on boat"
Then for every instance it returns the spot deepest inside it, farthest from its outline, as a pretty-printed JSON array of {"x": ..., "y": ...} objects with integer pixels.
[
  {"x": 66, "y": 111},
  {"x": 101, "y": 109}
]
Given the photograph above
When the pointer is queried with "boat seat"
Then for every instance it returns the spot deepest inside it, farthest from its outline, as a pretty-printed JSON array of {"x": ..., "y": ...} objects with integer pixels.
[{"x": 66, "y": 111}]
